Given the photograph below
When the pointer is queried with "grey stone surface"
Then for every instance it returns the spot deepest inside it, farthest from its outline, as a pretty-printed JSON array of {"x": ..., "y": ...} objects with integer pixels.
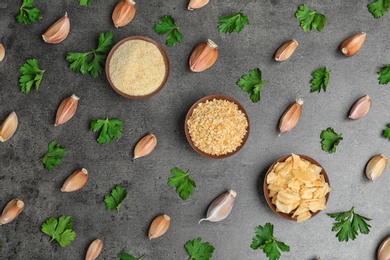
[{"x": 272, "y": 22}]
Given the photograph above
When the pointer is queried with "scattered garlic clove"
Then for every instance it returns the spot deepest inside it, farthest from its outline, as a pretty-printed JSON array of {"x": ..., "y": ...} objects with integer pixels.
[
  {"x": 203, "y": 56},
  {"x": 8, "y": 127},
  {"x": 195, "y": 4},
  {"x": 360, "y": 108},
  {"x": 94, "y": 249},
  {"x": 221, "y": 207},
  {"x": 75, "y": 181},
  {"x": 353, "y": 44},
  {"x": 66, "y": 110},
  {"x": 159, "y": 226},
  {"x": 58, "y": 31},
  {"x": 286, "y": 50},
  {"x": 123, "y": 13},
  {"x": 376, "y": 166},
  {"x": 291, "y": 116},
  {"x": 145, "y": 146},
  {"x": 2, "y": 52},
  {"x": 384, "y": 249},
  {"x": 11, "y": 211}
]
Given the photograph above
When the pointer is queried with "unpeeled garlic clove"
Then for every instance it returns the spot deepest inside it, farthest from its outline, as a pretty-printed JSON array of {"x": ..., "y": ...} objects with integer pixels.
[
  {"x": 145, "y": 146},
  {"x": 66, "y": 110},
  {"x": 360, "y": 108},
  {"x": 291, "y": 116},
  {"x": 384, "y": 249},
  {"x": 2, "y": 52},
  {"x": 195, "y": 4},
  {"x": 8, "y": 127},
  {"x": 376, "y": 166},
  {"x": 94, "y": 249},
  {"x": 75, "y": 181},
  {"x": 123, "y": 13},
  {"x": 221, "y": 207},
  {"x": 58, "y": 31},
  {"x": 286, "y": 50},
  {"x": 353, "y": 44},
  {"x": 159, "y": 226},
  {"x": 11, "y": 211},
  {"x": 203, "y": 56}
]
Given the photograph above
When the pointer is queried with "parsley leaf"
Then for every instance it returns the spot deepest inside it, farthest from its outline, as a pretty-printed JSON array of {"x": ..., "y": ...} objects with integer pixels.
[
  {"x": 28, "y": 13},
  {"x": 348, "y": 224},
  {"x": 168, "y": 24},
  {"x": 199, "y": 250},
  {"x": 31, "y": 73},
  {"x": 264, "y": 239},
  {"x": 386, "y": 132},
  {"x": 235, "y": 22},
  {"x": 384, "y": 74},
  {"x": 125, "y": 256},
  {"x": 320, "y": 80},
  {"x": 379, "y": 8},
  {"x": 114, "y": 201},
  {"x": 54, "y": 155},
  {"x": 110, "y": 129},
  {"x": 85, "y": 2},
  {"x": 310, "y": 19},
  {"x": 183, "y": 182},
  {"x": 330, "y": 140},
  {"x": 60, "y": 230},
  {"x": 82, "y": 62},
  {"x": 252, "y": 84}
]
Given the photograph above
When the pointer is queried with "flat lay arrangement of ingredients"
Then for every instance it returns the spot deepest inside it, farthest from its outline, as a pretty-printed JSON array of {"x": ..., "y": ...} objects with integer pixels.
[{"x": 194, "y": 130}]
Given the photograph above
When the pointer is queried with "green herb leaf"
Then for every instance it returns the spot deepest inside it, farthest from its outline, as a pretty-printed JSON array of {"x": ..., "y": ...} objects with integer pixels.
[
  {"x": 384, "y": 74},
  {"x": 114, "y": 201},
  {"x": 183, "y": 182},
  {"x": 31, "y": 74},
  {"x": 330, "y": 140},
  {"x": 125, "y": 256},
  {"x": 199, "y": 250},
  {"x": 252, "y": 84},
  {"x": 28, "y": 13},
  {"x": 310, "y": 19},
  {"x": 386, "y": 132},
  {"x": 167, "y": 24},
  {"x": 348, "y": 224},
  {"x": 85, "y": 2},
  {"x": 379, "y": 8},
  {"x": 54, "y": 155},
  {"x": 109, "y": 129},
  {"x": 235, "y": 22},
  {"x": 320, "y": 80},
  {"x": 60, "y": 230}
]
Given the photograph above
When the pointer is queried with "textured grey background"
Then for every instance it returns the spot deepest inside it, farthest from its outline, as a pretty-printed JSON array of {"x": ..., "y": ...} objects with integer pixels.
[{"x": 272, "y": 23}]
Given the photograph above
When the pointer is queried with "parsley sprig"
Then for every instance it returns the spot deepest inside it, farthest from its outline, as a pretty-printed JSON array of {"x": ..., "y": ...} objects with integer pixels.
[
  {"x": 199, "y": 250},
  {"x": 252, "y": 84},
  {"x": 379, "y": 8},
  {"x": 109, "y": 129},
  {"x": 330, "y": 140},
  {"x": 28, "y": 13},
  {"x": 167, "y": 24},
  {"x": 184, "y": 183},
  {"x": 114, "y": 201},
  {"x": 54, "y": 155},
  {"x": 31, "y": 74},
  {"x": 310, "y": 19},
  {"x": 60, "y": 230},
  {"x": 85, "y": 2},
  {"x": 235, "y": 22},
  {"x": 320, "y": 80},
  {"x": 126, "y": 256},
  {"x": 384, "y": 74},
  {"x": 386, "y": 132}
]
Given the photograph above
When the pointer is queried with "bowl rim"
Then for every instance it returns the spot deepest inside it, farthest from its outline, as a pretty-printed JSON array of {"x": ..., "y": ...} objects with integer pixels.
[
  {"x": 163, "y": 53},
  {"x": 211, "y": 97},
  {"x": 266, "y": 190}
]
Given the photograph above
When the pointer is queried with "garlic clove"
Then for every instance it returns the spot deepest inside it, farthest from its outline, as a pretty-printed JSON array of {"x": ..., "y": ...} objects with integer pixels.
[
  {"x": 8, "y": 127},
  {"x": 376, "y": 166},
  {"x": 11, "y": 211},
  {"x": 384, "y": 249},
  {"x": 75, "y": 181},
  {"x": 360, "y": 108},
  {"x": 2, "y": 52},
  {"x": 195, "y": 4},
  {"x": 221, "y": 207},
  {"x": 159, "y": 226},
  {"x": 94, "y": 249},
  {"x": 286, "y": 50},
  {"x": 145, "y": 146},
  {"x": 291, "y": 116},
  {"x": 353, "y": 44},
  {"x": 58, "y": 31},
  {"x": 123, "y": 13},
  {"x": 66, "y": 110},
  {"x": 203, "y": 56}
]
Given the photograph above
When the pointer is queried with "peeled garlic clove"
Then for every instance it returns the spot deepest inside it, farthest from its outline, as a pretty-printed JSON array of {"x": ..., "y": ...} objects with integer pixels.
[
  {"x": 66, "y": 110},
  {"x": 58, "y": 31},
  {"x": 291, "y": 116},
  {"x": 195, "y": 4},
  {"x": 360, "y": 108},
  {"x": 94, "y": 249},
  {"x": 145, "y": 146},
  {"x": 203, "y": 56},
  {"x": 353, "y": 44},
  {"x": 75, "y": 181},
  {"x": 8, "y": 127},
  {"x": 221, "y": 207},
  {"x": 11, "y": 211},
  {"x": 2, "y": 52},
  {"x": 384, "y": 249},
  {"x": 123, "y": 13},
  {"x": 286, "y": 50},
  {"x": 376, "y": 166},
  {"x": 159, "y": 226}
]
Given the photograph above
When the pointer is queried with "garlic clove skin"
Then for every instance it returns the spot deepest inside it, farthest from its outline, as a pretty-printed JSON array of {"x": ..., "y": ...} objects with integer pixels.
[
  {"x": 353, "y": 44},
  {"x": 58, "y": 31},
  {"x": 286, "y": 50},
  {"x": 94, "y": 249},
  {"x": 66, "y": 110},
  {"x": 384, "y": 250},
  {"x": 2, "y": 52},
  {"x": 376, "y": 166},
  {"x": 123, "y": 13},
  {"x": 11, "y": 211},
  {"x": 291, "y": 116},
  {"x": 203, "y": 56},
  {"x": 145, "y": 146},
  {"x": 8, "y": 127},
  {"x": 75, "y": 181},
  {"x": 360, "y": 108},
  {"x": 196, "y": 4},
  {"x": 159, "y": 226},
  {"x": 221, "y": 207}
]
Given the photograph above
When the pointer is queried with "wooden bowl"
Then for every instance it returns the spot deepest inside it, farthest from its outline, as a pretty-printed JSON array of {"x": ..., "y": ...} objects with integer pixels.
[
  {"x": 202, "y": 100},
  {"x": 266, "y": 191},
  {"x": 163, "y": 53}
]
